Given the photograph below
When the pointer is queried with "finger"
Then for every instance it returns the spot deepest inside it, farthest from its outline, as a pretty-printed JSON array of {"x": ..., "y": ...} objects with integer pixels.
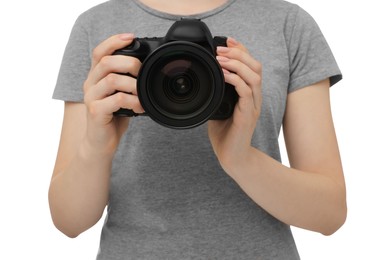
[
  {"x": 243, "y": 90},
  {"x": 247, "y": 74},
  {"x": 233, "y": 43},
  {"x": 248, "y": 100},
  {"x": 117, "y": 64},
  {"x": 251, "y": 78},
  {"x": 241, "y": 55},
  {"x": 111, "y": 84},
  {"x": 113, "y": 103},
  {"x": 108, "y": 46},
  {"x": 128, "y": 101}
]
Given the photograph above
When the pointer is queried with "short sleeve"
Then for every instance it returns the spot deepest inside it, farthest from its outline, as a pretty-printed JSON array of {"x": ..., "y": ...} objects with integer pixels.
[
  {"x": 75, "y": 66},
  {"x": 311, "y": 59}
]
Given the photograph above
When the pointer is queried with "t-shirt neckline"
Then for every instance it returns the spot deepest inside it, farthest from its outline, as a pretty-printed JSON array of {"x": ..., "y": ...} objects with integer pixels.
[{"x": 170, "y": 16}]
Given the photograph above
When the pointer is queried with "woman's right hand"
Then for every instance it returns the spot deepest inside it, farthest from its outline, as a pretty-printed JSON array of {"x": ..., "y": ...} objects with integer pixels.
[
  {"x": 79, "y": 190},
  {"x": 106, "y": 91}
]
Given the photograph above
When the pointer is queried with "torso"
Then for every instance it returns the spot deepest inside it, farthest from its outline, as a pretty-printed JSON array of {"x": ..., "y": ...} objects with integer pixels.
[{"x": 169, "y": 197}]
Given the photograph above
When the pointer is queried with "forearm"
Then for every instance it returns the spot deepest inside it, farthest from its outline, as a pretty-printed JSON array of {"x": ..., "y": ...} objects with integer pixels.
[
  {"x": 79, "y": 194},
  {"x": 303, "y": 199}
]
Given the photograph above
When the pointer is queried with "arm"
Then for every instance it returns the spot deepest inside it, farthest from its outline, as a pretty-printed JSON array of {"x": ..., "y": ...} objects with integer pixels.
[
  {"x": 79, "y": 187},
  {"x": 310, "y": 194}
]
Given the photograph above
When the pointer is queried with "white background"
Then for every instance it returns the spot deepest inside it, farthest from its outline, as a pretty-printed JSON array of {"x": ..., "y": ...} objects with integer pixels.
[{"x": 33, "y": 37}]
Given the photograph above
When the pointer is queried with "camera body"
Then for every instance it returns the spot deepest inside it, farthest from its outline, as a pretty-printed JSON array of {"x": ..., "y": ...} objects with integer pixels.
[{"x": 180, "y": 83}]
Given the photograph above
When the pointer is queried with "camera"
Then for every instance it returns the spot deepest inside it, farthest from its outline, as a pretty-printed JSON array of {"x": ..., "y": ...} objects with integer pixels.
[{"x": 180, "y": 84}]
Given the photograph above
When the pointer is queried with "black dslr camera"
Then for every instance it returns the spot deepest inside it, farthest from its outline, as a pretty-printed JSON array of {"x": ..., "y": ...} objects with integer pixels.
[{"x": 180, "y": 83}]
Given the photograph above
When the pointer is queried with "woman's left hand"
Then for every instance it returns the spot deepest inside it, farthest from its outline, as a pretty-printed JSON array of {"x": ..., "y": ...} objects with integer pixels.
[{"x": 231, "y": 138}]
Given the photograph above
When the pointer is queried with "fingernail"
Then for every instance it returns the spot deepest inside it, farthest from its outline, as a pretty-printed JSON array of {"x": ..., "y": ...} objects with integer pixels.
[
  {"x": 232, "y": 41},
  {"x": 222, "y": 58},
  {"x": 126, "y": 36},
  {"x": 222, "y": 49}
]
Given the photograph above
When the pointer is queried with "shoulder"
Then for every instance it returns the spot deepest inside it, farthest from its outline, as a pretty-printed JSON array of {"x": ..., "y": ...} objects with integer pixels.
[
  {"x": 106, "y": 12},
  {"x": 95, "y": 13},
  {"x": 106, "y": 19},
  {"x": 287, "y": 16},
  {"x": 280, "y": 7},
  {"x": 275, "y": 14}
]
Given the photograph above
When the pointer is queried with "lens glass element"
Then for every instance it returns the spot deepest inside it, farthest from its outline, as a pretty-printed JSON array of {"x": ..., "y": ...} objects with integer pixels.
[{"x": 182, "y": 85}]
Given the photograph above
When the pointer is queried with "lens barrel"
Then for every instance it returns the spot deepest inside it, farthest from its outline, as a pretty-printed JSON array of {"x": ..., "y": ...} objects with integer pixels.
[{"x": 180, "y": 85}]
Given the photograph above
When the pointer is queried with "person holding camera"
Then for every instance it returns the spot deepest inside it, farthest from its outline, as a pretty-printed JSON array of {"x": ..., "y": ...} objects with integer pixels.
[{"x": 180, "y": 182}]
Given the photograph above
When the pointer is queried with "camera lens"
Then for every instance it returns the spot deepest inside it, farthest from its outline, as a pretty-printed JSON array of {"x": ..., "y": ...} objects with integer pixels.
[
  {"x": 180, "y": 88},
  {"x": 180, "y": 85}
]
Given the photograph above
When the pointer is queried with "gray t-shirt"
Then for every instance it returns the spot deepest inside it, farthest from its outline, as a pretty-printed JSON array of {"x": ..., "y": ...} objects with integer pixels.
[{"x": 169, "y": 197}]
